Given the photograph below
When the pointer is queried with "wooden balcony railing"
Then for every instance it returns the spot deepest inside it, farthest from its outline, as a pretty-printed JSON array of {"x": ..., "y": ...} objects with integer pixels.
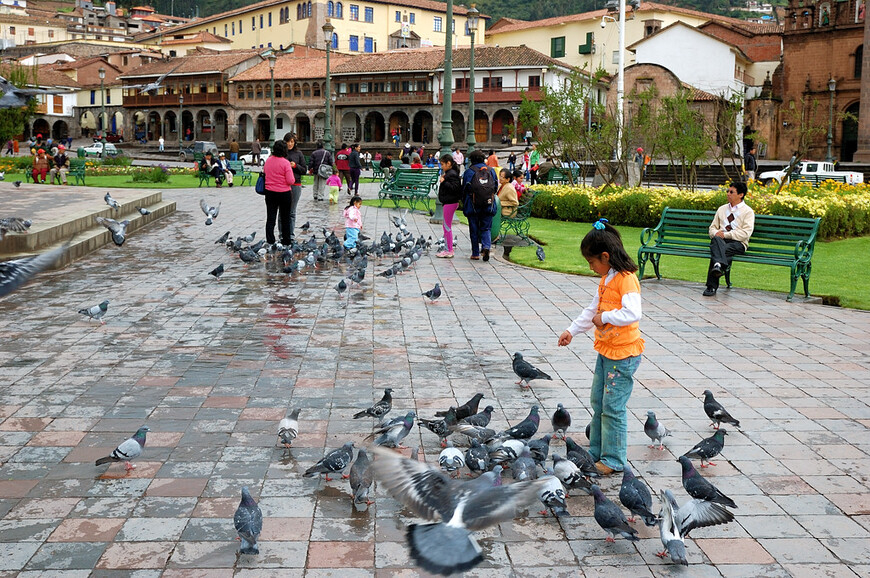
[
  {"x": 413, "y": 97},
  {"x": 498, "y": 94},
  {"x": 146, "y": 100}
]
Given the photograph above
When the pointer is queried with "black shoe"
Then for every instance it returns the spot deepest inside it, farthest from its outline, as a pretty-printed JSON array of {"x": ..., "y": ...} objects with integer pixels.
[
  {"x": 485, "y": 254},
  {"x": 709, "y": 292},
  {"x": 717, "y": 270}
]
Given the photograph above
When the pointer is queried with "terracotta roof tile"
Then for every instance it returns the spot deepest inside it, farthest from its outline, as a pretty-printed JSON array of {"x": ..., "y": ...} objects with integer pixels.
[
  {"x": 288, "y": 67},
  {"x": 203, "y": 36},
  {"x": 192, "y": 63},
  {"x": 48, "y": 77}
]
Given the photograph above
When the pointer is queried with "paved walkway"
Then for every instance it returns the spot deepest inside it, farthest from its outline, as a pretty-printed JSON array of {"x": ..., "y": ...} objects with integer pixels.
[{"x": 211, "y": 366}]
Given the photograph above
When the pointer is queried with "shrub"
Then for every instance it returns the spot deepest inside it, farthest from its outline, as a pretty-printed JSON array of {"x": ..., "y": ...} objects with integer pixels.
[
  {"x": 118, "y": 161},
  {"x": 158, "y": 174}
]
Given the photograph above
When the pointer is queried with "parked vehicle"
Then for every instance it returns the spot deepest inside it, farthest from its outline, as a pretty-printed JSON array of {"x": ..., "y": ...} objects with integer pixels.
[
  {"x": 112, "y": 137},
  {"x": 812, "y": 169},
  {"x": 95, "y": 149},
  {"x": 200, "y": 146},
  {"x": 248, "y": 158}
]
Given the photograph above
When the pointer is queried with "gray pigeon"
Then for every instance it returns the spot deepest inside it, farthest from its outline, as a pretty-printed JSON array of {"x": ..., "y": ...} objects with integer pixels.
[
  {"x": 482, "y": 418},
  {"x": 118, "y": 230},
  {"x": 112, "y": 202},
  {"x": 96, "y": 312},
  {"x": 380, "y": 409},
  {"x": 211, "y": 213},
  {"x": 698, "y": 487},
  {"x": 451, "y": 459},
  {"x": 654, "y": 430},
  {"x": 434, "y": 293},
  {"x": 539, "y": 252},
  {"x": 524, "y": 467},
  {"x": 675, "y": 523},
  {"x": 335, "y": 461},
  {"x": 15, "y": 273},
  {"x": 716, "y": 412},
  {"x": 581, "y": 458},
  {"x": 635, "y": 495},
  {"x": 14, "y": 224},
  {"x": 552, "y": 494},
  {"x": 361, "y": 477},
  {"x": 526, "y": 428},
  {"x": 477, "y": 457},
  {"x": 341, "y": 287},
  {"x": 129, "y": 450},
  {"x": 610, "y": 517},
  {"x": 561, "y": 421},
  {"x": 217, "y": 271},
  {"x": 248, "y": 256},
  {"x": 447, "y": 546},
  {"x": 145, "y": 212},
  {"x": 708, "y": 448},
  {"x": 540, "y": 449},
  {"x": 391, "y": 434},
  {"x": 570, "y": 475},
  {"x": 526, "y": 371},
  {"x": 437, "y": 427},
  {"x": 249, "y": 238},
  {"x": 16, "y": 184},
  {"x": 465, "y": 410},
  {"x": 505, "y": 451},
  {"x": 248, "y": 521},
  {"x": 223, "y": 239},
  {"x": 288, "y": 428}
]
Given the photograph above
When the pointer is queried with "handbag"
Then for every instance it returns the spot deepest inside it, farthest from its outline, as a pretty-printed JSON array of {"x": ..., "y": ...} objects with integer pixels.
[
  {"x": 324, "y": 171},
  {"x": 260, "y": 187}
]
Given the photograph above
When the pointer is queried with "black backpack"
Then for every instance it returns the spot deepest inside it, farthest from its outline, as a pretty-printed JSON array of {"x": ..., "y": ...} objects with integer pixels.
[{"x": 483, "y": 187}]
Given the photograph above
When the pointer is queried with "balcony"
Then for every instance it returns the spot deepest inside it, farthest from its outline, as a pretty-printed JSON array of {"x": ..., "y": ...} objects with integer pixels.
[
  {"x": 364, "y": 98},
  {"x": 497, "y": 94},
  {"x": 200, "y": 98}
]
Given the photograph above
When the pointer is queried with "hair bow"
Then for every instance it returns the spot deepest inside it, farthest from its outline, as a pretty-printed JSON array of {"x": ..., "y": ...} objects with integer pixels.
[{"x": 599, "y": 224}]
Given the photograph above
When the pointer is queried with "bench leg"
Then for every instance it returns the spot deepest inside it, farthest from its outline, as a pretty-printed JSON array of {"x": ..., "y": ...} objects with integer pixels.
[{"x": 655, "y": 259}]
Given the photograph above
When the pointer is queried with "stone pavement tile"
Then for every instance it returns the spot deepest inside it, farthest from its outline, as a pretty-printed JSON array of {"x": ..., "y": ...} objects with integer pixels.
[
  {"x": 753, "y": 571},
  {"x": 217, "y": 507},
  {"x": 16, "y": 488},
  {"x": 601, "y": 553},
  {"x": 198, "y": 572},
  {"x": 276, "y": 555},
  {"x": 27, "y": 530},
  {"x": 280, "y": 529},
  {"x": 772, "y": 527},
  {"x": 816, "y": 570},
  {"x": 43, "y": 508},
  {"x": 835, "y": 484},
  {"x": 176, "y": 487},
  {"x": 67, "y": 555},
  {"x": 783, "y": 485},
  {"x": 192, "y": 554},
  {"x": 56, "y": 438},
  {"x": 826, "y": 526},
  {"x": 151, "y": 529},
  {"x": 26, "y": 424},
  {"x": 86, "y": 530},
  {"x": 797, "y": 550},
  {"x": 16, "y": 554},
  {"x": 541, "y": 553},
  {"x": 282, "y": 573},
  {"x": 135, "y": 555},
  {"x": 358, "y": 528},
  {"x": 616, "y": 571},
  {"x": 206, "y": 529},
  {"x": 103, "y": 507},
  {"x": 734, "y": 551},
  {"x": 806, "y": 504},
  {"x": 849, "y": 550},
  {"x": 341, "y": 554}
]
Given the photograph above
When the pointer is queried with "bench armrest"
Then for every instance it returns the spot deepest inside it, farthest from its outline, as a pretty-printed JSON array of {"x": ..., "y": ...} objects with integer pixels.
[{"x": 651, "y": 236}]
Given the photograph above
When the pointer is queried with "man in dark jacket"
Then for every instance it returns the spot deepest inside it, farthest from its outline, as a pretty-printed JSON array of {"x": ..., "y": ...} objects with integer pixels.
[
  {"x": 355, "y": 165},
  {"x": 750, "y": 165},
  {"x": 479, "y": 219},
  {"x": 297, "y": 162}
]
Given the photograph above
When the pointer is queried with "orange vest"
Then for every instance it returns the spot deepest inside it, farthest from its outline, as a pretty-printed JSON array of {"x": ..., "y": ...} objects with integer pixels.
[{"x": 612, "y": 341}]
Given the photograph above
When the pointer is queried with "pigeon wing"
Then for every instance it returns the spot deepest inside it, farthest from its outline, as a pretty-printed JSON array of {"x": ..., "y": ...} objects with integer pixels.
[
  {"x": 248, "y": 522},
  {"x": 421, "y": 488},
  {"x": 13, "y": 274},
  {"x": 491, "y": 506},
  {"x": 700, "y": 514},
  {"x": 128, "y": 450},
  {"x": 204, "y": 206}
]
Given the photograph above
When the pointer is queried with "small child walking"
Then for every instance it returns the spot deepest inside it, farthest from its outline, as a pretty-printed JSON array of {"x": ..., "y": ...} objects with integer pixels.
[
  {"x": 352, "y": 222},
  {"x": 334, "y": 184},
  {"x": 615, "y": 313}
]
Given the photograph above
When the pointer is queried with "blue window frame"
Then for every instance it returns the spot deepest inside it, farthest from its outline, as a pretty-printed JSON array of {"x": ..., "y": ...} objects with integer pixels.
[
  {"x": 330, "y": 8},
  {"x": 233, "y": 28},
  {"x": 353, "y": 43},
  {"x": 93, "y": 97},
  {"x": 398, "y": 16},
  {"x": 335, "y": 40},
  {"x": 354, "y": 12},
  {"x": 308, "y": 11},
  {"x": 225, "y": 31},
  {"x": 261, "y": 20},
  {"x": 370, "y": 14},
  {"x": 253, "y": 22},
  {"x": 270, "y": 19},
  {"x": 369, "y": 44},
  {"x": 339, "y": 10},
  {"x": 411, "y": 18}
]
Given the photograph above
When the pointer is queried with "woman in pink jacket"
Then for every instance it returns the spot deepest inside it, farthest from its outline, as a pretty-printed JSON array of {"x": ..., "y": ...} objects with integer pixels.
[{"x": 279, "y": 196}]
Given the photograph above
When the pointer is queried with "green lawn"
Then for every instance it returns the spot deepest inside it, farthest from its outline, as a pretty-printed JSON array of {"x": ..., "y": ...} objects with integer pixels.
[{"x": 175, "y": 181}]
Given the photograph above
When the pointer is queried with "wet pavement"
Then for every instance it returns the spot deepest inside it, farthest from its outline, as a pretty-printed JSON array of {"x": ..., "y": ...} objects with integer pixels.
[{"x": 212, "y": 366}]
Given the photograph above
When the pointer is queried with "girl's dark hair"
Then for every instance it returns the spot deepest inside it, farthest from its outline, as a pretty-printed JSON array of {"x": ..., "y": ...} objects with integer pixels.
[
  {"x": 279, "y": 149},
  {"x": 506, "y": 173},
  {"x": 352, "y": 200},
  {"x": 448, "y": 158},
  {"x": 607, "y": 239}
]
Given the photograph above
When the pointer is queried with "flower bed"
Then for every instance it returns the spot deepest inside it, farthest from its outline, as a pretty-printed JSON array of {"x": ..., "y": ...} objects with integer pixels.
[
  {"x": 844, "y": 209},
  {"x": 96, "y": 168}
]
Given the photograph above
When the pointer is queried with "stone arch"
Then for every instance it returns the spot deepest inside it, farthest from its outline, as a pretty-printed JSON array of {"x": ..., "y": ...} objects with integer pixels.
[
  {"x": 283, "y": 122},
  {"x": 399, "y": 122},
  {"x": 246, "y": 128},
  {"x": 116, "y": 123},
  {"x": 170, "y": 125},
  {"x": 481, "y": 126},
  {"x": 262, "y": 127},
  {"x": 87, "y": 123},
  {"x": 351, "y": 130},
  {"x": 41, "y": 126},
  {"x": 204, "y": 124},
  {"x": 501, "y": 120},
  {"x": 849, "y": 133},
  {"x": 373, "y": 130},
  {"x": 220, "y": 126},
  {"x": 421, "y": 128},
  {"x": 153, "y": 126},
  {"x": 59, "y": 130},
  {"x": 303, "y": 127},
  {"x": 458, "y": 126},
  {"x": 187, "y": 122}
]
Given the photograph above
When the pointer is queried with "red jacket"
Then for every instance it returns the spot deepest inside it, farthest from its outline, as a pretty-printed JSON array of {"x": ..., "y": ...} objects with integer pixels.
[{"x": 342, "y": 159}]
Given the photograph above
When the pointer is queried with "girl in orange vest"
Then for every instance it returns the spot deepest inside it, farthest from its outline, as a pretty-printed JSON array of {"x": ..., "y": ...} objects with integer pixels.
[{"x": 615, "y": 312}]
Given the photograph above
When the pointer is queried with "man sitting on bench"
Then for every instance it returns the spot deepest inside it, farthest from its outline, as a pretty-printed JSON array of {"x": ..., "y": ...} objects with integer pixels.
[{"x": 729, "y": 234}]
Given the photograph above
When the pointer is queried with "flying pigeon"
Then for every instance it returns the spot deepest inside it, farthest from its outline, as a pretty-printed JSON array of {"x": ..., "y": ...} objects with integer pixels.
[
  {"x": 526, "y": 428},
  {"x": 112, "y": 202},
  {"x": 526, "y": 371},
  {"x": 217, "y": 271},
  {"x": 635, "y": 495},
  {"x": 708, "y": 448},
  {"x": 12, "y": 96},
  {"x": 380, "y": 409},
  {"x": 698, "y": 487},
  {"x": 248, "y": 521},
  {"x": 335, "y": 461},
  {"x": 482, "y": 418},
  {"x": 118, "y": 230},
  {"x": 447, "y": 546},
  {"x": 539, "y": 252},
  {"x": 361, "y": 477},
  {"x": 654, "y": 430},
  {"x": 96, "y": 312},
  {"x": 288, "y": 428},
  {"x": 14, "y": 224},
  {"x": 433, "y": 293},
  {"x": 610, "y": 517},
  {"x": 146, "y": 212},
  {"x": 392, "y": 434},
  {"x": 477, "y": 457},
  {"x": 466, "y": 409},
  {"x": 16, "y": 184},
  {"x": 451, "y": 459},
  {"x": 15, "y": 273},
  {"x": 561, "y": 421},
  {"x": 581, "y": 458},
  {"x": 129, "y": 450},
  {"x": 223, "y": 238},
  {"x": 552, "y": 495},
  {"x": 152, "y": 87},
  {"x": 675, "y": 523},
  {"x": 211, "y": 213},
  {"x": 716, "y": 412}
]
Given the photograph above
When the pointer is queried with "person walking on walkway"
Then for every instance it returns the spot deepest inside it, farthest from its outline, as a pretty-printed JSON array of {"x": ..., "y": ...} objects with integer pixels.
[
  {"x": 449, "y": 195},
  {"x": 352, "y": 222},
  {"x": 479, "y": 186},
  {"x": 750, "y": 165},
  {"x": 256, "y": 149},
  {"x": 730, "y": 231},
  {"x": 321, "y": 158},
  {"x": 279, "y": 193},
  {"x": 353, "y": 161},
  {"x": 615, "y": 313},
  {"x": 342, "y": 163},
  {"x": 160, "y": 143}
]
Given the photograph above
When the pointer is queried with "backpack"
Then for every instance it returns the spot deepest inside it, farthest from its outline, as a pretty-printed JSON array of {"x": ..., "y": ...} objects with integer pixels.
[{"x": 482, "y": 188}]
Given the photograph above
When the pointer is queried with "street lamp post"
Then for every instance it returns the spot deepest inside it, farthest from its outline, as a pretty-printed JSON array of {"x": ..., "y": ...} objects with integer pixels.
[
  {"x": 445, "y": 137},
  {"x": 472, "y": 18},
  {"x": 180, "y": 113},
  {"x": 328, "y": 29},
  {"x": 272, "y": 60},
  {"x": 832, "y": 88},
  {"x": 102, "y": 73}
]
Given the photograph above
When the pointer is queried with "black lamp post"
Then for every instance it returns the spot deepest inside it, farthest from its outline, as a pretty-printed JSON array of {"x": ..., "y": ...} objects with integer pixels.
[
  {"x": 473, "y": 15},
  {"x": 328, "y": 29},
  {"x": 180, "y": 114},
  {"x": 102, "y": 73},
  {"x": 272, "y": 60},
  {"x": 832, "y": 88}
]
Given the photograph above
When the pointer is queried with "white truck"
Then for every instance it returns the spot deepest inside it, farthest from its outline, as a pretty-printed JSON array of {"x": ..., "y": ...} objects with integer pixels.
[{"x": 815, "y": 171}]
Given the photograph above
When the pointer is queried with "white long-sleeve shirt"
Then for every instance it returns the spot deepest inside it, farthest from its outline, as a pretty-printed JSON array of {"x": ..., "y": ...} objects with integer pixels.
[{"x": 630, "y": 312}]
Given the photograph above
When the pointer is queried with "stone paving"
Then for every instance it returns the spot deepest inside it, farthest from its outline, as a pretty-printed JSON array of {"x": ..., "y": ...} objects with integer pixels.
[{"x": 211, "y": 366}]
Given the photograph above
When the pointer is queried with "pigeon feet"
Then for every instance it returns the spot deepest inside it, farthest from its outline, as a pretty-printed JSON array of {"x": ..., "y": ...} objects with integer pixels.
[
  {"x": 328, "y": 479},
  {"x": 609, "y": 539},
  {"x": 708, "y": 464},
  {"x": 661, "y": 447},
  {"x": 128, "y": 466},
  {"x": 542, "y": 512},
  {"x": 632, "y": 519},
  {"x": 662, "y": 554},
  {"x": 345, "y": 476}
]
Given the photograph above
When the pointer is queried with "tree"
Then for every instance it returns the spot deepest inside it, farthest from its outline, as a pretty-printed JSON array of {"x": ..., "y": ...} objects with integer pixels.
[
  {"x": 683, "y": 137},
  {"x": 13, "y": 120}
]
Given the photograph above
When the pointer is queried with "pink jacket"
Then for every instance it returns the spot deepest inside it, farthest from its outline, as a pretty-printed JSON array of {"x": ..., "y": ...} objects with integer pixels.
[
  {"x": 279, "y": 174},
  {"x": 352, "y": 218}
]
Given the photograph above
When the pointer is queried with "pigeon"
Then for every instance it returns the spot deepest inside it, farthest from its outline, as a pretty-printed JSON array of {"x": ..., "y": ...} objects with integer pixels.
[
  {"x": 248, "y": 521},
  {"x": 526, "y": 371},
  {"x": 96, "y": 312},
  {"x": 16, "y": 184},
  {"x": 249, "y": 238},
  {"x": 675, "y": 523},
  {"x": 223, "y": 238},
  {"x": 361, "y": 477},
  {"x": 248, "y": 256},
  {"x": 112, "y": 202},
  {"x": 305, "y": 226},
  {"x": 15, "y": 273},
  {"x": 552, "y": 495},
  {"x": 335, "y": 461},
  {"x": 217, "y": 271},
  {"x": 341, "y": 287},
  {"x": 482, "y": 418},
  {"x": 526, "y": 428},
  {"x": 524, "y": 467},
  {"x": 434, "y": 293},
  {"x": 570, "y": 475},
  {"x": 477, "y": 457},
  {"x": 392, "y": 434},
  {"x": 14, "y": 224},
  {"x": 380, "y": 409},
  {"x": 654, "y": 430},
  {"x": 3, "y": 176},
  {"x": 129, "y": 450},
  {"x": 610, "y": 517},
  {"x": 466, "y": 409},
  {"x": 561, "y": 421},
  {"x": 437, "y": 427},
  {"x": 708, "y": 448},
  {"x": 473, "y": 432},
  {"x": 288, "y": 428},
  {"x": 118, "y": 230},
  {"x": 581, "y": 458},
  {"x": 506, "y": 451},
  {"x": 540, "y": 449},
  {"x": 716, "y": 412},
  {"x": 211, "y": 213},
  {"x": 152, "y": 87},
  {"x": 635, "y": 495},
  {"x": 145, "y": 212},
  {"x": 698, "y": 487},
  {"x": 447, "y": 546},
  {"x": 451, "y": 459},
  {"x": 539, "y": 252}
]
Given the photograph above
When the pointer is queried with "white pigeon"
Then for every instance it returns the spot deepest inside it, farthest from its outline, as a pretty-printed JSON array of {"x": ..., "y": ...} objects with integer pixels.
[
  {"x": 451, "y": 459},
  {"x": 211, "y": 213},
  {"x": 288, "y": 428},
  {"x": 129, "y": 449},
  {"x": 675, "y": 522},
  {"x": 96, "y": 312},
  {"x": 112, "y": 202}
]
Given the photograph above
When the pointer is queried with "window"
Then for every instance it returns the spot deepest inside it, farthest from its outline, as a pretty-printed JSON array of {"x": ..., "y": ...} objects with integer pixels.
[
  {"x": 411, "y": 18},
  {"x": 398, "y": 16},
  {"x": 492, "y": 82},
  {"x": 11, "y": 30},
  {"x": 297, "y": 90},
  {"x": 250, "y": 92},
  {"x": 109, "y": 96},
  {"x": 125, "y": 60},
  {"x": 859, "y": 60},
  {"x": 315, "y": 90},
  {"x": 30, "y": 32},
  {"x": 226, "y": 34},
  {"x": 353, "y": 42},
  {"x": 369, "y": 45},
  {"x": 557, "y": 47},
  {"x": 370, "y": 14},
  {"x": 353, "y": 87},
  {"x": 270, "y": 19},
  {"x": 241, "y": 93},
  {"x": 354, "y": 12},
  {"x": 288, "y": 92},
  {"x": 253, "y": 22},
  {"x": 279, "y": 123},
  {"x": 93, "y": 97},
  {"x": 615, "y": 59},
  {"x": 335, "y": 40},
  {"x": 234, "y": 28},
  {"x": 240, "y": 25},
  {"x": 534, "y": 82},
  {"x": 461, "y": 84},
  {"x": 261, "y": 21},
  {"x": 339, "y": 10},
  {"x": 436, "y": 24},
  {"x": 306, "y": 90},
  {"x": 299, "y": 12},
  {"x": 308, "y": 10},
  {"x": 330, "y": 8},
  {"x": 259, "y": 91}
]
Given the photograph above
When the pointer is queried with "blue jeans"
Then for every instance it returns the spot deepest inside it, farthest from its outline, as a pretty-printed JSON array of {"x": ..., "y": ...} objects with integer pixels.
[
  {"x": 351, "y": 237},
  {"x": 480, "y": 230},
  {"x": 611, "y": 388},
  {"x": 234, "y": 156}
]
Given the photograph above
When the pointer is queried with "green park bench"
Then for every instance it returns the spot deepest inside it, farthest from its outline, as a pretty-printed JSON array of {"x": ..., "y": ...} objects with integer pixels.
[
  {"x": 242, "y": 174},
  {"x": 377, "y": 173},
  {"x": 77, "y": 171},
  {"x": 517, "y": 223},
  {"x": 412, "y": 185},
  {"x": 559, "y": 175},
  {"x": 783, "y": 241}
]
